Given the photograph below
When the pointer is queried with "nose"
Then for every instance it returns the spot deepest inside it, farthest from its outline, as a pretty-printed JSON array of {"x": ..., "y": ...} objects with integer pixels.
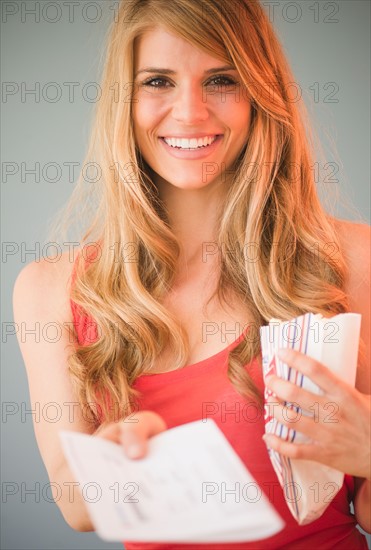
[{"x": 190, "y": 105}]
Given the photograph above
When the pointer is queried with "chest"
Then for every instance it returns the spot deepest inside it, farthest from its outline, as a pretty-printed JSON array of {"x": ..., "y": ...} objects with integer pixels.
[{"x": 210, "y": 327}]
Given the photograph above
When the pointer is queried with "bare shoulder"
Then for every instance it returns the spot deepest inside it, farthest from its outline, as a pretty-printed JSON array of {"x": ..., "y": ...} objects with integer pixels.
[
  {"x": 355, "y": 241},
  {"x": 45, "y": 285}
]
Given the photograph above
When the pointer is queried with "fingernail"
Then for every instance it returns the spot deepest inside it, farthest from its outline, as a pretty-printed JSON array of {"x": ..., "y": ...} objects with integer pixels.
[
  {"x": 283, "y": 353},
  {"x": 266, "y": 439},
  {"x": 134, "y": 450}
]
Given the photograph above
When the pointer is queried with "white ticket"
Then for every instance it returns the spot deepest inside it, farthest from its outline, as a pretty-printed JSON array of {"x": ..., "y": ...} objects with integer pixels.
[{"x": 190, "y": 487}]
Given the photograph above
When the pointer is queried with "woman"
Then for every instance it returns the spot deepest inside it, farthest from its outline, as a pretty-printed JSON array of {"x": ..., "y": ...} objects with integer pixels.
[{"x": 206, "y": 225}]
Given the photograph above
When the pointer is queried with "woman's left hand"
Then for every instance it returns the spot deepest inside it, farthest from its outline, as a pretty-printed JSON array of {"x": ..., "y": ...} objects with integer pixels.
[{"x": 339, "y": 429}]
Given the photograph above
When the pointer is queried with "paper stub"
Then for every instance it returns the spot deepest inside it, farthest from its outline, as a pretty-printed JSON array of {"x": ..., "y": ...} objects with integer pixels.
[
  {"x": 308, "y": 486},
  {"x": 179, "y": 492}
]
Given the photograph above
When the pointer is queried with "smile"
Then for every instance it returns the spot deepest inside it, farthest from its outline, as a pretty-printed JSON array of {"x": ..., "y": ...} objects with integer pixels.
[
  {"x": 190, "y": 144},
  {"x": 191, "y": 148}
]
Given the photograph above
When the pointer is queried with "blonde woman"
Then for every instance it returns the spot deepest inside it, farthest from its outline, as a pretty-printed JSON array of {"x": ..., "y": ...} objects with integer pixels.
[{"x": 206, "y": 224}]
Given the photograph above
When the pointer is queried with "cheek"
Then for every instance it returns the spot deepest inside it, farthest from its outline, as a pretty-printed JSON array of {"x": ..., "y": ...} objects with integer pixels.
[
  {"x": 142, "y": 126},
  {"x": 140, "y": 119},
  {"x": 147, "y": 112},
  {"x": 236, "y": 113},
  {"x": 240, "y": 111},
  {"x": 240, "y": 118}
]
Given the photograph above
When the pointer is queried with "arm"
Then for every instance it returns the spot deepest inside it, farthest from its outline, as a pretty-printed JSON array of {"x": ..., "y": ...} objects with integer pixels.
[
  {"x": 362, "y": 503},
  {"x": 357, "y": 246},
  {"x": 41, "y": 296}
]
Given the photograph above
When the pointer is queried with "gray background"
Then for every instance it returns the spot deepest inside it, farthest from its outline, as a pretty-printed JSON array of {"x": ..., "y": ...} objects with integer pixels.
[{"x": 319, "y": 50}]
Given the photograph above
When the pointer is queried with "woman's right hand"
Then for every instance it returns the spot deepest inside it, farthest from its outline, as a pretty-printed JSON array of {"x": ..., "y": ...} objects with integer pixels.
[{"x": 134, "y": 432}]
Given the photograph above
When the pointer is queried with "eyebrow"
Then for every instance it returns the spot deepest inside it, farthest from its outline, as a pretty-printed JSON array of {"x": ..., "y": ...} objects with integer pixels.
[{"x": 169, "y": 71}]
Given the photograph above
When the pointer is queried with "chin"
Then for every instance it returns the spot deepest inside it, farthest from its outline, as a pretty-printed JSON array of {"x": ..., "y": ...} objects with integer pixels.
[
  {"x": 189, "y": 185},
  {"x": 190, "y": 180}
]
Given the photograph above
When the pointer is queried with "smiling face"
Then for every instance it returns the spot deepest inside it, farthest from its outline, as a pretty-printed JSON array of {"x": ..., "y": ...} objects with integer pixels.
[{"x": 191, "y": 120}]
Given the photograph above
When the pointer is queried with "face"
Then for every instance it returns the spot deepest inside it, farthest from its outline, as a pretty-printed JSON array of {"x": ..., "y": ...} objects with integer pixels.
[{"x": 191, "y": 119}]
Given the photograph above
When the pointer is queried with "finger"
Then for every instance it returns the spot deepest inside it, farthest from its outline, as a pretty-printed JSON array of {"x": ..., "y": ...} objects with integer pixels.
[
  {"x": 110, "y": 431},
  {"x": 293, "y": 418},
  {"x": 317, "y": 372},
  {"x": 308, "y": 451},
  {"x": 287, "y": 391},
  {"x": 134, "y": 435}
]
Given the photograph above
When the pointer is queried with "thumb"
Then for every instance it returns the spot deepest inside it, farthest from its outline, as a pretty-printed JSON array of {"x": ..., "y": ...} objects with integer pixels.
[{"x": 135, "y": 433}]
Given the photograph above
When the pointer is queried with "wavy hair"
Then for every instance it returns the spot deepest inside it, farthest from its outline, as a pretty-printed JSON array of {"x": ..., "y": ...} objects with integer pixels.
[{"x": 272, "y": 210}]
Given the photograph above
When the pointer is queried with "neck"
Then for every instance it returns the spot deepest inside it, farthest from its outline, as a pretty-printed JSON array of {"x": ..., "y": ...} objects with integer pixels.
[{"x": 194, "y": 218}]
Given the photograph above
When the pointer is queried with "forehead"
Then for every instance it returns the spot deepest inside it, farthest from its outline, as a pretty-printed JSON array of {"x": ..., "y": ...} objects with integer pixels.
[{"x": 161, "y": 48}]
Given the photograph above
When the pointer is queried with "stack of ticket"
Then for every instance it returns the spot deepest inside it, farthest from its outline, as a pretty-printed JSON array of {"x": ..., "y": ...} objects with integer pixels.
[
  {"x": 190, "y": 487},
  {"x": 308, "y": 486}
]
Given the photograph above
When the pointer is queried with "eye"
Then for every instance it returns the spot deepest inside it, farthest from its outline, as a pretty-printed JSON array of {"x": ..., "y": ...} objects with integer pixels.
[
  {"x": 155, "y": 82},
  {"x": 221, "y": 81}
]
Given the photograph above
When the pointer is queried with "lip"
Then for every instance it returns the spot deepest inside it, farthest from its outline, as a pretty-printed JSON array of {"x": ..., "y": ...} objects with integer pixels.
[
  {"x": 190, "y": 136},
  {"x": 197, "y": 153}
]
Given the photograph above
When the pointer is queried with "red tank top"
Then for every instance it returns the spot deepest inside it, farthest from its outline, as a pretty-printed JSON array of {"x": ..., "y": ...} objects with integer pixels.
[{"x": 203, "y": 390}]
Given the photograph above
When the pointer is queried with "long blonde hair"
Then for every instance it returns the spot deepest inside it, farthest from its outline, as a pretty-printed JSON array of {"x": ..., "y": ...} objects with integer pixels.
[{"x": 272, "y": 204}]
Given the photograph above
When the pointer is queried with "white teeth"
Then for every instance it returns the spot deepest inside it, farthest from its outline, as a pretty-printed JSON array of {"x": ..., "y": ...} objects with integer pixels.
[{"x": 192, "y": 143}]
